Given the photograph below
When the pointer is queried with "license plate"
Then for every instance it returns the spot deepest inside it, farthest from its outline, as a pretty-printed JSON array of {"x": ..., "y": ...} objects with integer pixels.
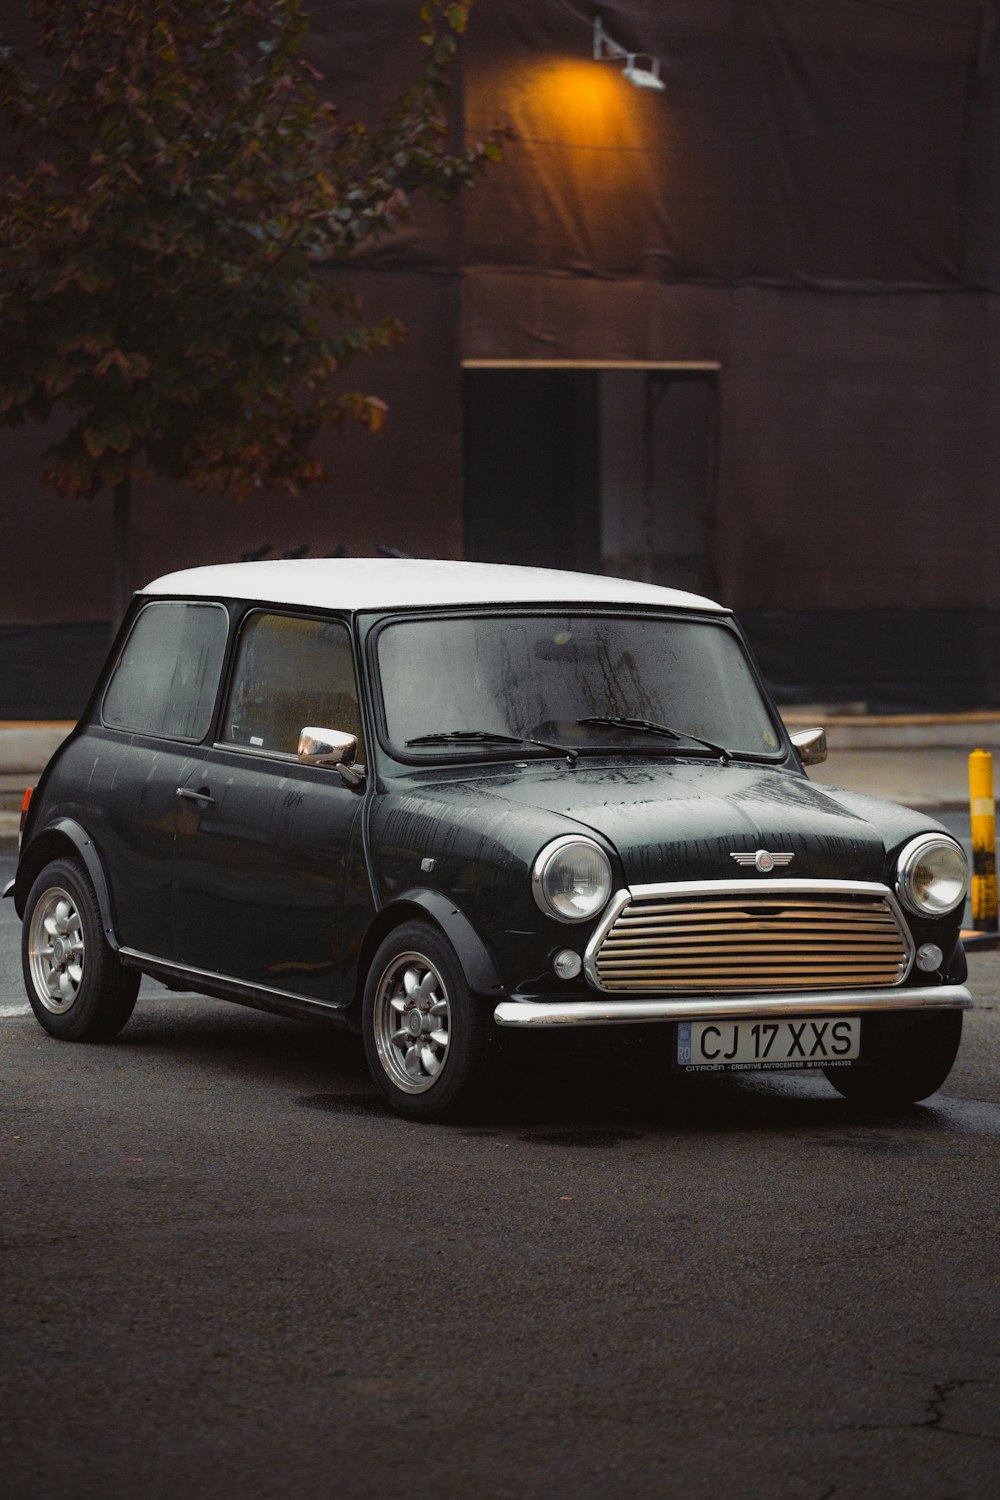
[{"x": 750, "y": 1044}]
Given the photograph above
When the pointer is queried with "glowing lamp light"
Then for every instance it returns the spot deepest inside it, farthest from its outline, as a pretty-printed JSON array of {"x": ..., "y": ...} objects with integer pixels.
[{"x": 606, "y": 49}]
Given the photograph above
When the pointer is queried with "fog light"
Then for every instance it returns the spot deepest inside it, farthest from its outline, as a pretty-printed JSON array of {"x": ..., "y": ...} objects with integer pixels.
[
  {"x": 929, "y": 958},
  {"x": 568, "y": 964}
]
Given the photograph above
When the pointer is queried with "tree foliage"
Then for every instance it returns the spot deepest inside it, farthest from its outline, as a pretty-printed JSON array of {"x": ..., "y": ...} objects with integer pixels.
[{"x": 179, "y": 189}]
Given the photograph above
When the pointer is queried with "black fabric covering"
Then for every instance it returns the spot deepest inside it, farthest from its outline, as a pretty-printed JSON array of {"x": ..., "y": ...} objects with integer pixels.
[
  {"x": 49, "y": 671},
  {"x": 981, "y": 211},
  {"x": 840, "y": 145},
  {"x": 889, "y": 660}
]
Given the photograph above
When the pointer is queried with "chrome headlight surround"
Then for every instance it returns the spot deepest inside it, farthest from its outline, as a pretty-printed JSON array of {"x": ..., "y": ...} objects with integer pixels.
[
  {"x": 932, "y": 875},
  {"x": 571, "y": 879}
]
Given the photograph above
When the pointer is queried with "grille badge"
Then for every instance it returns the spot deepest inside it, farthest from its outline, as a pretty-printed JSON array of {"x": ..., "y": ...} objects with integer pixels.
[{"x": 762, "y": 860}]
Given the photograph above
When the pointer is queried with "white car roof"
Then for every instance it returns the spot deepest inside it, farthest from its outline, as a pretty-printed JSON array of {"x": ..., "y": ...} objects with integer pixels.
[{"x": 400, "y": 583}]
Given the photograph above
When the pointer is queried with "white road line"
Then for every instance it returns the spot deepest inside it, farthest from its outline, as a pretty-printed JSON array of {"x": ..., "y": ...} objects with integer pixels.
[{"x": 6, "y": 1011}]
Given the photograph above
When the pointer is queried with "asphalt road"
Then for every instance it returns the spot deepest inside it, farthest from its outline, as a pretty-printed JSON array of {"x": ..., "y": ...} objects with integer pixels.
[{"x": 227, "y": 1271}]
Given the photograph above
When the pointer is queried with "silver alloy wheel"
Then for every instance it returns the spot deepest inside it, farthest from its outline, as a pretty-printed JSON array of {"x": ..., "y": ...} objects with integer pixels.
[
  {"x": 412, "y": 1022},
  {"x": 56, "y": 950}
]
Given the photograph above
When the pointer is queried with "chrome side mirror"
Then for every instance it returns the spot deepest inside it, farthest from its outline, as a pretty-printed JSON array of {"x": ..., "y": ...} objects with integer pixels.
[
  {"x": 811, "y": 745},
  {"x": 331, "y": 747}
]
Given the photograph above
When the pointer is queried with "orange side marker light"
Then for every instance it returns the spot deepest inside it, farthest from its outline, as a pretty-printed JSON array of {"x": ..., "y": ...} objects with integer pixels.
[{"x": 24, "y": 809}]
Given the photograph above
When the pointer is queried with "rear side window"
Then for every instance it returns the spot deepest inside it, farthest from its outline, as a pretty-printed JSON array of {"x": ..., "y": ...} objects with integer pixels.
[
  {"x": 168, "y": 674},
  {"x": 291, "y": 673}
]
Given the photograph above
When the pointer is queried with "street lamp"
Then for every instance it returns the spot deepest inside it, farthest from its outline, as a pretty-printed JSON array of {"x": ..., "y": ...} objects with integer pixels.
[{"x": 608, "y": 50}]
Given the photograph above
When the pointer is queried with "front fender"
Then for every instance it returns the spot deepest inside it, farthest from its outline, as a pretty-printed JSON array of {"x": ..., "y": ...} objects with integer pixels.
[
  {"x": 476, "y": 960},
  {"x": 62, "y": 837}
]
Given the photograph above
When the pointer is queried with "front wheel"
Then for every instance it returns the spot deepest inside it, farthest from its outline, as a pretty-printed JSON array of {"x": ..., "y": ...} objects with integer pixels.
[
  {"x": 76, "y": 985},
  {"x": 905, "y": 1064},
  {"x": 427, "y": 1039}
]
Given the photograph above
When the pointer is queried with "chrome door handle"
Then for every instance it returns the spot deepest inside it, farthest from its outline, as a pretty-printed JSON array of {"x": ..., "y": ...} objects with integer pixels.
[{"x": 194, "y": 796}]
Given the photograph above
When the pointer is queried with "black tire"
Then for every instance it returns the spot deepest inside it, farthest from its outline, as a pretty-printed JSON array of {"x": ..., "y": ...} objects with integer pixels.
[
  {"x": 905, "y": 1065},
  {"x": 439, "y": 1063},
  {"x": 77, "y": 988}
]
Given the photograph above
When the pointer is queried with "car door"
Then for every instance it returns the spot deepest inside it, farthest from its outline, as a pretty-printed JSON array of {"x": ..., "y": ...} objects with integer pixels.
[
  {"x": 267, "y": 848},
  {"x": 155, "y": 714}
]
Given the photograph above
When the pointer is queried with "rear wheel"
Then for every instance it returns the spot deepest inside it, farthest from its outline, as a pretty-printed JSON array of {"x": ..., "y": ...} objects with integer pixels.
[
  {"x": 427, "y": 1039},
  {"x": 905, "y": 1065},
  {"x": 76, "y": 986}
]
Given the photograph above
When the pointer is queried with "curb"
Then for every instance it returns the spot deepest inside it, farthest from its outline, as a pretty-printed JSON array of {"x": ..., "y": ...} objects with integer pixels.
[
  {"x": 980, "y": 942},
  {"x": 899, "y": 732},
  {"x": 26, "y": 747}
]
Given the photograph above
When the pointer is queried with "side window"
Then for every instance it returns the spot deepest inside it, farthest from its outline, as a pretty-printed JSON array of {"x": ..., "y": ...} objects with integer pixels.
[
  {"x": 167, "y": 676},
  {"x": 291, "y": 672}
]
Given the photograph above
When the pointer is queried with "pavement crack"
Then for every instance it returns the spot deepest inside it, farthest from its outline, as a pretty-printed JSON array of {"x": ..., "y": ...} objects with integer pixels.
[
  {"x": 935, "y": 1407},
  {"x": 937, "y": 1403},
  {"x": 935, "y": 1413}
]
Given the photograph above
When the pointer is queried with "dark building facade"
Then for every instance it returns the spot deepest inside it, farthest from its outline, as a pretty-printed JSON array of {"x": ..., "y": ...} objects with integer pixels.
[{"x": 740, "y": 335}]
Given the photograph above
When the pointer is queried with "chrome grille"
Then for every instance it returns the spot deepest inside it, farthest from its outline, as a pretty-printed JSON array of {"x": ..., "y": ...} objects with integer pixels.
[{"x": 789, "y": 935}]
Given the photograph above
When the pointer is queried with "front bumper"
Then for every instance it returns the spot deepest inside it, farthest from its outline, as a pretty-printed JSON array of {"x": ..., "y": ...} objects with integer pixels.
[{"x": 544, "y": 1011}]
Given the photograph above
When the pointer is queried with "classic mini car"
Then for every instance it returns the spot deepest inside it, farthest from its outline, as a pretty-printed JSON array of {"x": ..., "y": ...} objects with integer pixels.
[{"x": 433, "y": 800}]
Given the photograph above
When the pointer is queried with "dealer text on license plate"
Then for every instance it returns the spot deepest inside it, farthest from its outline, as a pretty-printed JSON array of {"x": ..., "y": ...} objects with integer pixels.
[{"x": 819, "y": 1042}]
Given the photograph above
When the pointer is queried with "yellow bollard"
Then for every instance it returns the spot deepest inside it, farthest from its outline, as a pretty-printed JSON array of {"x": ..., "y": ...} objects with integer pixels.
[{"x": 982, "y": 811}]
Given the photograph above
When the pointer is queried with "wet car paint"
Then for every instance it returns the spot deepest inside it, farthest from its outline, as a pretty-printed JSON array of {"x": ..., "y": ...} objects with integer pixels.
[{"x": 660, "y": 819}]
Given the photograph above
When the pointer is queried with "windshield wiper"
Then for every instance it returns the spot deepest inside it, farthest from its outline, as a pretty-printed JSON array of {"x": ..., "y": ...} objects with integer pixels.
[
  {"x": 486, "y": 737},
  {"x": 649, "y": 726}
]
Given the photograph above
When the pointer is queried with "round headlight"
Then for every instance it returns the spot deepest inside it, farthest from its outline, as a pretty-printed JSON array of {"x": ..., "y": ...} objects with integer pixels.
[
  {"x": 932, "y": 875},
  {"x": 571, "y": 879}
]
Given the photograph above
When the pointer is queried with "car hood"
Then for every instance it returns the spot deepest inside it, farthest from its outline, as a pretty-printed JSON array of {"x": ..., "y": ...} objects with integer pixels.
[{"x": 685, "y": 821}]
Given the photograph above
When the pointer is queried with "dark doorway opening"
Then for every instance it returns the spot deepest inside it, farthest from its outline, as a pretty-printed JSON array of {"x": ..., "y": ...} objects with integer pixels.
[{"x": 604, "y": 468}]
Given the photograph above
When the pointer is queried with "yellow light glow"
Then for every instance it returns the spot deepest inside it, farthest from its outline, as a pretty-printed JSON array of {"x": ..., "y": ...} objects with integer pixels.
[
  {"x": 598, "y": 154},
  {"x": 571, "y": 100},
  {"x": 585, "y": 103}
]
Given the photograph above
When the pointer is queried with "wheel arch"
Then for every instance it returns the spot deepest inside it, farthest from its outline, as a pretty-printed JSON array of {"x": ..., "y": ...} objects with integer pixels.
[
  {"x": 64, "y": 838},
  {"x": 477, "y": 962}
]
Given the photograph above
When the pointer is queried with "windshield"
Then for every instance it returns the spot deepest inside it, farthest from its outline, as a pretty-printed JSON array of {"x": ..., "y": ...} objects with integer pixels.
[{"x": 454, "y": 681}]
